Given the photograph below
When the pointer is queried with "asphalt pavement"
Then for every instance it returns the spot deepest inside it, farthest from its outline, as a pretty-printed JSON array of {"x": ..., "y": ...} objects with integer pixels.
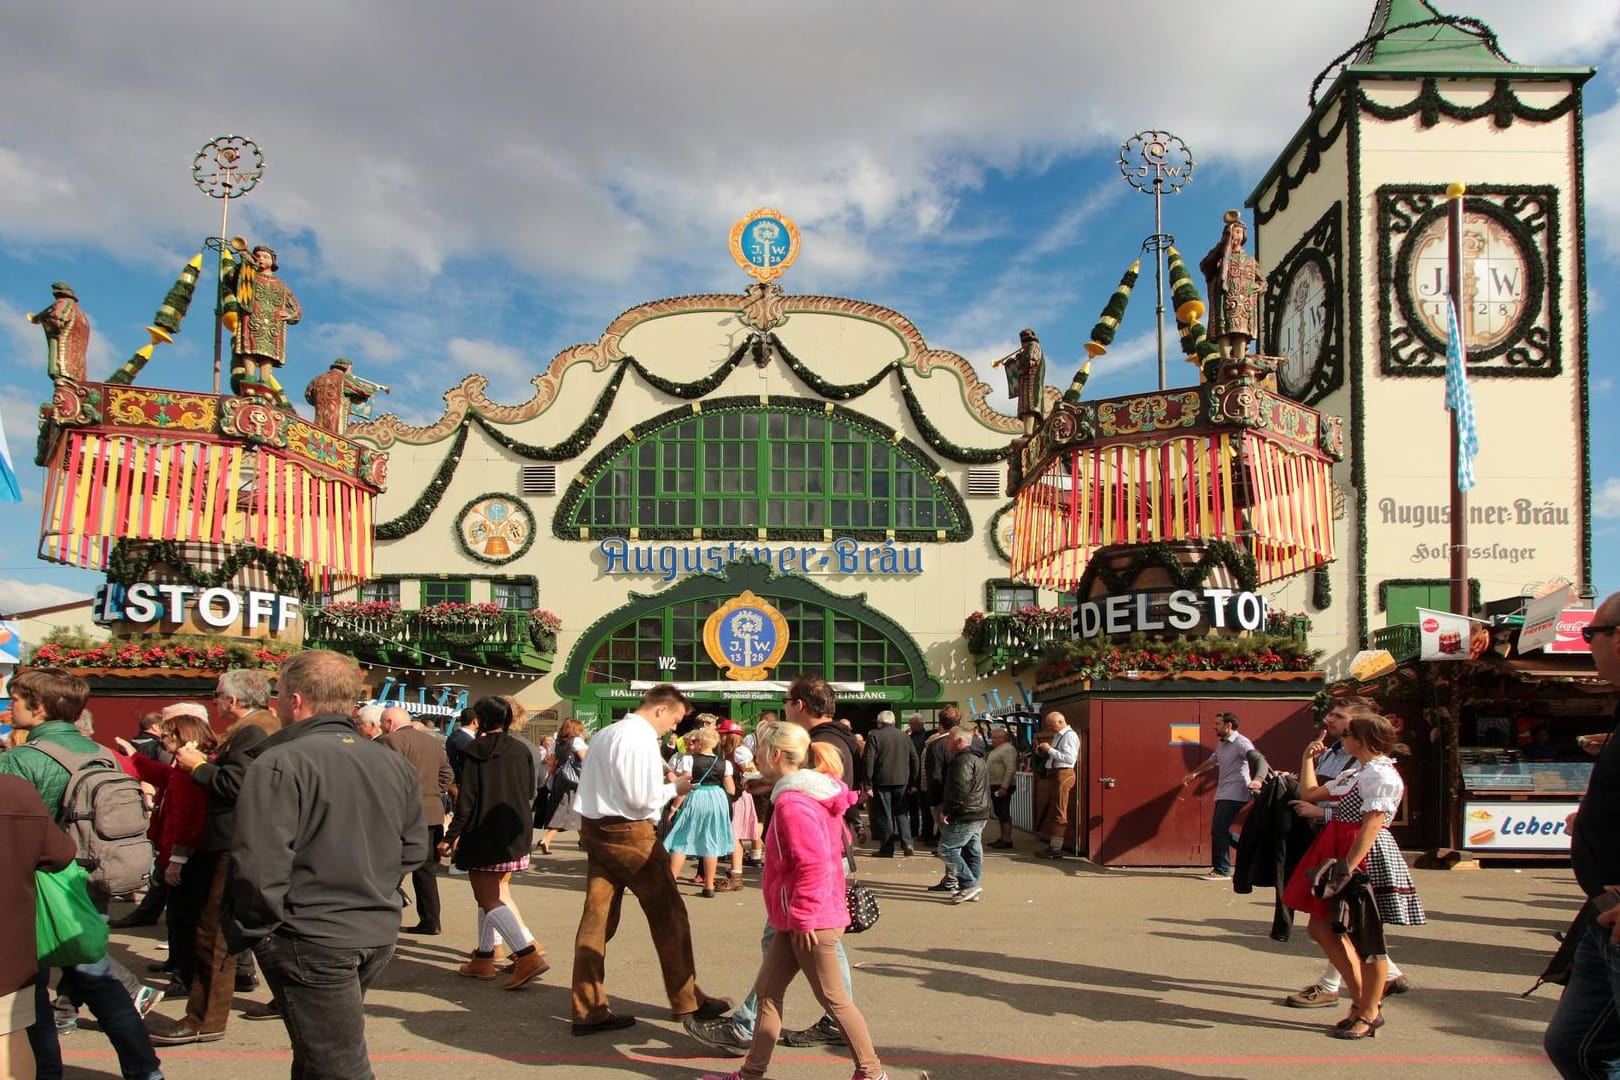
[{"x": 1062, "y": 970}]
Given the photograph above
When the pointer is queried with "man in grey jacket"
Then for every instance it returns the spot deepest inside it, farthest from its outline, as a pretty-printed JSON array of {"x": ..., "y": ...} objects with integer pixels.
[
  {"x": 893, "y": 768},
  {"x": 963, "y": 812},
  {"x": 327, "y": 824}
]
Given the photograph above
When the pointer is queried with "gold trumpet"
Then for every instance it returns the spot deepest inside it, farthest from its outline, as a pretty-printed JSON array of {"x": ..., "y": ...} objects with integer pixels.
[{"x": 1006, "y": 358}]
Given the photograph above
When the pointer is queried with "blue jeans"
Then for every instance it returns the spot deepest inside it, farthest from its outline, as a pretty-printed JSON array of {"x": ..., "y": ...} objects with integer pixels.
[
  {"x": 960, "y": 847},
  {"x": 743, "y": 1016},
  {"x": 322, "y": 992},
  {"x": 1583, "y": 1040},
  {"x": 95, "y": 986},
  {"x": 1221, "y": 837}
]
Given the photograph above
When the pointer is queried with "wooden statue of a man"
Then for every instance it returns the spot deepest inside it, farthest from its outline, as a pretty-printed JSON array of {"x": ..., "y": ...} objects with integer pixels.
[
  {"x": 67, "y": 333},
  {"x": 334, "y": 394},
  {"x": 266, "y": 307},
  {"x": 1234, "y": 282},
  {"x": 1026, "y": 379}
]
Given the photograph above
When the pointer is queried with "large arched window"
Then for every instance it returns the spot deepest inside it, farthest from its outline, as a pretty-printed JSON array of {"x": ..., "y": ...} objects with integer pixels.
[
  {"x": 793, "y": 468},
  {"x": 835, "y": 644}
]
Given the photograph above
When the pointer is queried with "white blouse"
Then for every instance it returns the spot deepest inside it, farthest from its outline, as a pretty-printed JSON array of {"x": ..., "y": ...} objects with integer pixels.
[
  {"x": 1381, "y": 787},
  {"x": 683, "y": 766}
]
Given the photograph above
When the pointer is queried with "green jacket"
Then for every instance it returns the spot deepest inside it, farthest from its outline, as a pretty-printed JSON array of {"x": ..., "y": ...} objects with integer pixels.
[{"x": 48, "y": 778}]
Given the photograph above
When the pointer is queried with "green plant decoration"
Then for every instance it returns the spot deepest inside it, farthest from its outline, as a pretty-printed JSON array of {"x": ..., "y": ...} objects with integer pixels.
[{"x": 1102, "y": 335}]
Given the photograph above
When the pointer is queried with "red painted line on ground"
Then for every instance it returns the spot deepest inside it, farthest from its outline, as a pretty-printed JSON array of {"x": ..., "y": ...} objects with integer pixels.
[{"x": 908, "y": 1059}]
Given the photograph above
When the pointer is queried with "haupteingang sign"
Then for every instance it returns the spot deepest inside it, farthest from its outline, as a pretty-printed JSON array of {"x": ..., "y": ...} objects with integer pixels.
[{"x": 1179, "y": 609}]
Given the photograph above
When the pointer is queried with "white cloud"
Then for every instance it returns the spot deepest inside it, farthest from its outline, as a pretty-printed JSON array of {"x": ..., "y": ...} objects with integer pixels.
[
  {"x": 580, "y": 142},
  {"x": 19, "y": 596},
  {"x": 1606, "y": 499}
]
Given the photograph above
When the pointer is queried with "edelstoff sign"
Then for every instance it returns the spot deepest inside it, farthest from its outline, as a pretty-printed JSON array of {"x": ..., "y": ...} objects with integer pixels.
[
  {"x": 1503, "y": 825},
  {"x": 1183, "y": 609},
  {"x": 146, "y": 603}
]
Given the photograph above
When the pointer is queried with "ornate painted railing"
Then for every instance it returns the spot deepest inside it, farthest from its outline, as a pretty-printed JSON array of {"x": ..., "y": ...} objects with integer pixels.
[{"x": 410, "y": 639}]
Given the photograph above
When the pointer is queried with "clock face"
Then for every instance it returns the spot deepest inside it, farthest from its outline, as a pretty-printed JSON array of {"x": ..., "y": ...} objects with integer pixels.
[
  {"x": 1494, "y": 280},
  {"x": 1302, "y": 327}
]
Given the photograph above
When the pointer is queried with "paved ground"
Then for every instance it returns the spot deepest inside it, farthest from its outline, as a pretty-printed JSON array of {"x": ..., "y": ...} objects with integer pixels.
[{"x": 1062, "y": 970}]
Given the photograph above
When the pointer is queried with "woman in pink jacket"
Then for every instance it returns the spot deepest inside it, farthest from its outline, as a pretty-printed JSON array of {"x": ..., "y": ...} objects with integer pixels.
[{"x": 803, "y": 887}]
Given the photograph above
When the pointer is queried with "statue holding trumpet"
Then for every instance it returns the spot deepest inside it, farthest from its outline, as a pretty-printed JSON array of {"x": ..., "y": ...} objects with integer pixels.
[
  {"x": 337, "y": 392},
  {"x": 1026, "y": 378}
]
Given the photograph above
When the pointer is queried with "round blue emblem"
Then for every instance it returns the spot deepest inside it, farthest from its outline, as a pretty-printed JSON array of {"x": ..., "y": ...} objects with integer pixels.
[
  {"x": 747, "y": 637},
  {"x": 766, "y": 242}
]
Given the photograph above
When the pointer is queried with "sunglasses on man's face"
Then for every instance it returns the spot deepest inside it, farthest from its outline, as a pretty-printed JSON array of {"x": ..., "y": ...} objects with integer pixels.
[{"x": 1590, "y": 631}]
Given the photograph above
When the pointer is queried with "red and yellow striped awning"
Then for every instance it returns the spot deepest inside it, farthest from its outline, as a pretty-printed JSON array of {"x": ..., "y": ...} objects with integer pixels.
[{"x": 1273, "y": 497}]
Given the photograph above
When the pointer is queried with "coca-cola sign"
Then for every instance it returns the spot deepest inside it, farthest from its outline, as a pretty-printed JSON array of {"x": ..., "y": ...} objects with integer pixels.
[{"x": 1567, "y": 637}]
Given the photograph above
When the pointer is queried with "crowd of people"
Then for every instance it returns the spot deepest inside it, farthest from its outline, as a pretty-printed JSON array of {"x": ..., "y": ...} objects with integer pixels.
[{"x": 287, "y": 830}]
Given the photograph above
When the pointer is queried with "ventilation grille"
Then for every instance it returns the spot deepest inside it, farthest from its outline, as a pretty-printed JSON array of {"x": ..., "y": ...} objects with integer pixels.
[
  {"x": 985, "y": 483},
  {"x": 537, "y": 480}
]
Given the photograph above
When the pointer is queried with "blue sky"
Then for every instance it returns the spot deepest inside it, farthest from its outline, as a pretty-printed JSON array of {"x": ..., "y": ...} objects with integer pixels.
[{"x": 475, "y": 189}]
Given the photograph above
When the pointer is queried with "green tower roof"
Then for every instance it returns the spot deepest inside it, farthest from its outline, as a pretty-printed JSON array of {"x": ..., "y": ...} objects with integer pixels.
[{"x": 1437, "y": 47}]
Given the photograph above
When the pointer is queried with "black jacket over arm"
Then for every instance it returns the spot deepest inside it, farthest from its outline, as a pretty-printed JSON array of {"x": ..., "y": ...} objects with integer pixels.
[{"x": 1274, "y": 840}]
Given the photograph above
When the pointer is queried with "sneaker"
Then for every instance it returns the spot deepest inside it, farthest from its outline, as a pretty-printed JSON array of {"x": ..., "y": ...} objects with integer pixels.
[
  {"x": 456, "y": 871},
  {"x": 824, "y": 1032},
  {"x": 1312, "y": 997},
  {"x": 721, "y": 1034},
  {"x": 1049, "y": 853},
  {"x": 909, "y": 851},
  {"x": 176, "y": 989},
  {"x": 964, "y": 896},
  {"x": 1213, "y": 876},
  {"x": 67, "y": 1026},
  {"x": 145, "y": 998},
  {"x": 947, "y": 884}
]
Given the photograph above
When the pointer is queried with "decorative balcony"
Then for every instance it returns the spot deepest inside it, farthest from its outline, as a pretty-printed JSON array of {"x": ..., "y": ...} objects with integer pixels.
[
  {"x": 484, "y": 635},
  {"x": 1010, "y": 639},
  {"x": 1401, "y": 641}
]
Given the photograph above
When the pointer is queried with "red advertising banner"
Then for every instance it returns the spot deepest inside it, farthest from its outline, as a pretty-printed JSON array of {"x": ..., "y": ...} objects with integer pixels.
[{"x": 1567, "y": 638}]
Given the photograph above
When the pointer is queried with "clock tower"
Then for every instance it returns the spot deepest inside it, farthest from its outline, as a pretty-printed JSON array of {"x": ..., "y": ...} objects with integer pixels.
[{"x": 1351, "y": 219}]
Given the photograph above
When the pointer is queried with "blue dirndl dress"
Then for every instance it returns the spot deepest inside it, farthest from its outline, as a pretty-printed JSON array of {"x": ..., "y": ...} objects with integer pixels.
[{"x": 702, "y": 827}]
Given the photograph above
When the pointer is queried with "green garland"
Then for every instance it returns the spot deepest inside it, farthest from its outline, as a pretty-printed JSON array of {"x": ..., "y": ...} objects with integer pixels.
[
  {"x": 1161, "y": 556},
  {"x": 1581, "y": 341},
  {"x": 1102, "y": 658},
  {"x": 565, "y": 528},
  {"x": 935, "y": 438},
  {"x": 1360, "y": 632},
  {"x": 1321, "y": 588},
  {"x": 1525, "y": 211},
  {"x": 427, "y": 502},
  {"x": 700, "y": 388},
  {"x": 995, "y": 529},
  {"x": 1503, "y": 106},
  {"x": 130, "y": 561},
  {"x": 574, "y": 444},
  {"x": 528, "y": 535}
]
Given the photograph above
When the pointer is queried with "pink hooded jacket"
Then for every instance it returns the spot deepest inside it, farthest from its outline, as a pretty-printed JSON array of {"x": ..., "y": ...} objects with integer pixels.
[{"x": 804, "y": 853}]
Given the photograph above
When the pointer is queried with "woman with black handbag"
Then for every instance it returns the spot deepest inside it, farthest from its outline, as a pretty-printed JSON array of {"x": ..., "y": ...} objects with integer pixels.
[{"x": 567, "y": 759}]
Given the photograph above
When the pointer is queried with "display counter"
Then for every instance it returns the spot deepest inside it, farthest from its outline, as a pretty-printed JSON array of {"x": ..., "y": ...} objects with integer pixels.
[{"x": 1516, "y": 805}]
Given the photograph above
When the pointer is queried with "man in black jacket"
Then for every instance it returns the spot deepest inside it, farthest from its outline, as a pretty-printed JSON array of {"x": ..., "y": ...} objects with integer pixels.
[
  {"x": 964, "y": 808},
  {"x": 893, "y": 768},
  {"x": 327, "y": 824},
  {"x": 934, "y": 755}
]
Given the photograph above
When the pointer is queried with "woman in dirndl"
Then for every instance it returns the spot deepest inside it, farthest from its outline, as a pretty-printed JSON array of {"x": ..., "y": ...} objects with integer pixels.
[
  {"x": 702, "y": 826},
  {"x": 744, "y": 818},
  {"x": 1364, "y": 797},
  {"x": 489, "y": 838}
]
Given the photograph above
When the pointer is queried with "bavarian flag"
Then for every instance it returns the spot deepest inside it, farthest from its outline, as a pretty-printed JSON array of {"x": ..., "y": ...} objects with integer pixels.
[
  {"x": 9, "y": 489},
  {"x": 1459, "y": 400}
]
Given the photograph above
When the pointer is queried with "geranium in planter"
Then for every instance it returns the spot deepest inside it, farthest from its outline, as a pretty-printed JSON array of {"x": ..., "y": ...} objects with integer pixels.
[{"x": 544, "y": 627}]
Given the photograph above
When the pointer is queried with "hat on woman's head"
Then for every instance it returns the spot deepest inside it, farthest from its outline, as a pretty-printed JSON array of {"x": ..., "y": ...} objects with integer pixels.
[{"x": 729, "y": 727}]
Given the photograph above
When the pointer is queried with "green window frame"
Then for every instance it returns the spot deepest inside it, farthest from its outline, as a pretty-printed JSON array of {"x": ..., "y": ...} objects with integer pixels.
[
  {"x": 1399, "y": 598},
  {"x": 446, "y": 591},
  {"x": 793, "y": 469},
  {"x": 513, "y": 595},
  {"x": 839, "y": 646}
]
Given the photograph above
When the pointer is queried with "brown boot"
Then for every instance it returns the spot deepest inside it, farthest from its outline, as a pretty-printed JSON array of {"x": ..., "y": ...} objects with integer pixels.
[
  {"x": 479, "y": 967},
  {"x": 734, "y": 881},
  {"x": 529, "y": 966}
]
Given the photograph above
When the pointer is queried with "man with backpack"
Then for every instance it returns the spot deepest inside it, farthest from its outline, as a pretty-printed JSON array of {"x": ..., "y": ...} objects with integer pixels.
[{"x": 89, "y": 795}]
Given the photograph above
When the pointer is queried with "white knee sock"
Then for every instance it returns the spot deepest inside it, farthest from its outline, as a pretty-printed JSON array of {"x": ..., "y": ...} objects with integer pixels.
[
  {"x": 1331, "y": 980},
  {"x": 486, "y": 932},
  {"x": 506, "y": 922}
]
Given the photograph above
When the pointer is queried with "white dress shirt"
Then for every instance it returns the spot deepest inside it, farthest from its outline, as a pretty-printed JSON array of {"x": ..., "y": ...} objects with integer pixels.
[{"x": 623, "y": 774}]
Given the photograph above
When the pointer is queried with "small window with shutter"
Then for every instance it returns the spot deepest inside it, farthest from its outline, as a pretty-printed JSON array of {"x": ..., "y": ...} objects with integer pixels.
[
  {"x": 537, "y": 480},
  {"x": 985, "y": 483}
]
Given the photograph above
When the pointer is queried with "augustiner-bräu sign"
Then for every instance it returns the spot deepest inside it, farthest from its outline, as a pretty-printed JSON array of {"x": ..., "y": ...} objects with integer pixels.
[{"x": 1180, "y": 609}]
